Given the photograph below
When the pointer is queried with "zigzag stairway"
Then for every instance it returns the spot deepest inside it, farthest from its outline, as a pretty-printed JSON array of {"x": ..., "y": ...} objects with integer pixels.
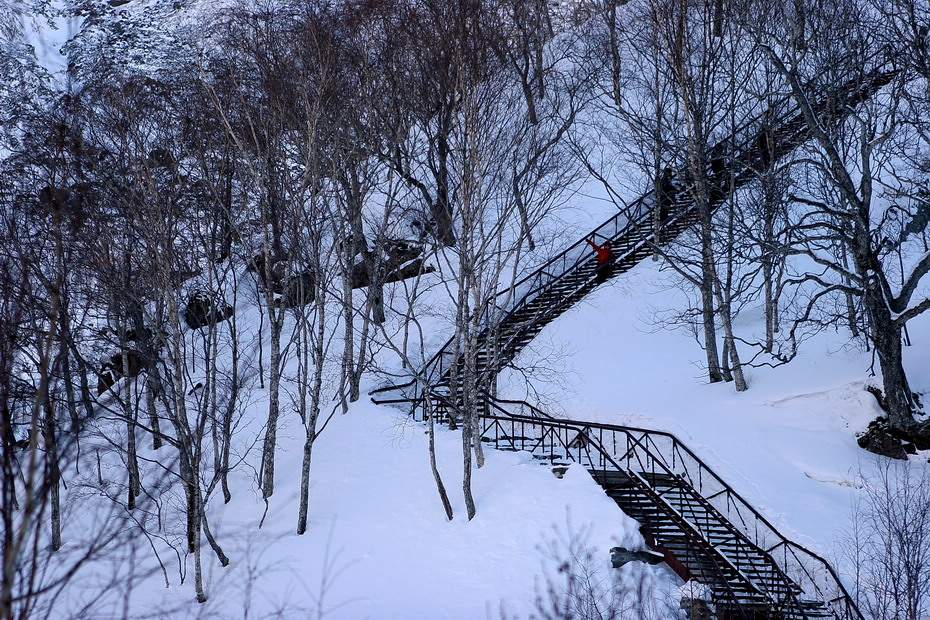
[{"x": 705, "y": 530}]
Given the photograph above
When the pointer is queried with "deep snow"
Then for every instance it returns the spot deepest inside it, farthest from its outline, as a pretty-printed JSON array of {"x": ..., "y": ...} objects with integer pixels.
[{"x": 377, "y": 528}]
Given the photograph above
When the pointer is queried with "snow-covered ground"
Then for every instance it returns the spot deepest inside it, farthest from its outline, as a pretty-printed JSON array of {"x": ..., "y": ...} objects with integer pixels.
[
  {"x": 787, "y": 444},
  {"x": 379, "y": 545}
]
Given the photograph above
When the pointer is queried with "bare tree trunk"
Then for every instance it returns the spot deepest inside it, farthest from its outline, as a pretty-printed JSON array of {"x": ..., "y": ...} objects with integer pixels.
[
  {"x": 348, "y": 319},
  {"x": 129, "y": 412},
  {"x": 466, "y": 477},
  {"x": 886, "y": 335},
  {"x": 610, "y": 15},
  {"x": 769, "y": 302},
  {"x": 714, "y": 372},
  {"x": 736, "y": 367},
  {"x": 52, "y": 473},
  {"x": 271, "y": 426},
  {"x": 852, "y": 320},
  {"x": 305, "y": 484},
  {"x": 315, "y": 384},
  {"x": 440, "y": 487},
  {"x": 769, "y": 243},
  {"x": 362, "y": 357},
  {"x": 230, "y": 411}
]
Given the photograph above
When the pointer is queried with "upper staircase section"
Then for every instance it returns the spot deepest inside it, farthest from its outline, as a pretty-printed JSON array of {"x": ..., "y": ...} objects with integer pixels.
[{"x": 516, "y": 314}]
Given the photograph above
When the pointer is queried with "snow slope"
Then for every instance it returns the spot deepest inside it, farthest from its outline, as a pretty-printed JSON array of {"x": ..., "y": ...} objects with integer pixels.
[
  {"x": 379, "y": 545},
  {"x": 787, "y": 444}
]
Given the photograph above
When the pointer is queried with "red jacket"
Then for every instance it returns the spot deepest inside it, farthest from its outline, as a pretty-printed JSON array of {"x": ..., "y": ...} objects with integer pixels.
[{"x": 602, "y": 252}]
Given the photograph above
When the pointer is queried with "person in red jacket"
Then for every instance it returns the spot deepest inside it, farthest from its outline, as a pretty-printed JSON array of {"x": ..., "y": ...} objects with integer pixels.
[{"x": 603, "y": 255}]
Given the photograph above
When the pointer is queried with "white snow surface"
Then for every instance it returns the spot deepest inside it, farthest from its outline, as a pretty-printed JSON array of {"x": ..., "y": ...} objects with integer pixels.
[
  {"x": 787, "y": 445},
  {"x": 379, "y": 545}
]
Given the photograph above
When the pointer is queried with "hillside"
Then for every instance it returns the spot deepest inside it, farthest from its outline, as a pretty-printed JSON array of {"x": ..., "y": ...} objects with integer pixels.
[{"x": 504, "y": 309}]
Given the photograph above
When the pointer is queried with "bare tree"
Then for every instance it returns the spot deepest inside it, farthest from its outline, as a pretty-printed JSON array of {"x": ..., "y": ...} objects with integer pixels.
[
  {"x": 889, "y": 542},
  {"x": 852, "y": 161}
]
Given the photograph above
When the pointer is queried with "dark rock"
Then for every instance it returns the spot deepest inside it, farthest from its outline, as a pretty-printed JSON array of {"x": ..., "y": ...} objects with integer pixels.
[
  {"x": 913, "y": 439},
  {"x": 399, "y": 251},
  {"x": 410, "y": 270},
  {"x": 879, "y": 440},
  {"x": 202, "y": 310},
  {"x": 131, "y": 362},
  {"x": 276, "y": 281},
  {"x": 400, "y": 260},
  {"x": 696, "y": 609},
  {"x": 619, "y": 556},
  {"x": 879, "y": 396},
  {"x": 298, "y": 290}
]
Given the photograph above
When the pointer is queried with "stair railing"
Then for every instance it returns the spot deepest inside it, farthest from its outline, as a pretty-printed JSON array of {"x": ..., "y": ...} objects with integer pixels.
[
  {"x": 650, "y": 451},
  {"x": 740, "y": 144},
  {"x": 518, "y": 425}
]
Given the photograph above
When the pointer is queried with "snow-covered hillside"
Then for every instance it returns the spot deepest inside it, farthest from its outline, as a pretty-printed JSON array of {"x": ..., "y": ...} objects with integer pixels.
[
  {"x": 378, "y": 544},
  {"x": 227, "y": 216},
  {"x": 788, "y": 444}
]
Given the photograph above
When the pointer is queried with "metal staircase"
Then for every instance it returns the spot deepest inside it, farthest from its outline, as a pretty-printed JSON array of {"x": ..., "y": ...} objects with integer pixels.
[
  {"x": 519, "y": 312},
  {"x": 706, "y": 530}
]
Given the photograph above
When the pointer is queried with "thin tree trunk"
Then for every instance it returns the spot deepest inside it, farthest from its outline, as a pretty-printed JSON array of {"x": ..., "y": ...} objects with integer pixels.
[
  {"x": 129, "y": 412},
  {"x": 736, "y": 367},
  {"x": 615, "y": 63},
  {"x": 707, "y": 308},
  {"x": 271, "y": 427},
  {"x": 310, "y": 421},
  {"x": 53, "y": 474},
  {"x": 221, "y": 556},
  {"x": 769, "y": 301},
  {"x": 348, "y": 319},
  {"x": 440, "y": 487},
  {"x": 230, "y": 409},
  {"x": 466, "y": 477},
  {"x": 305, "y": 484}
]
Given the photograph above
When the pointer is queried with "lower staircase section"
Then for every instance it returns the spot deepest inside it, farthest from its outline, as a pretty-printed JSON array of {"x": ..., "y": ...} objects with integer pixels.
[{"x": 705, "y": 530}]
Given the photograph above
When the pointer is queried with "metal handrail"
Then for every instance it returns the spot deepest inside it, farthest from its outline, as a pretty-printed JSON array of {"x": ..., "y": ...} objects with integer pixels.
[
  {"x": 739, "y": 142},
  {"x": 645, "y": 446},
  {"x": 678, "y": 448}
]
